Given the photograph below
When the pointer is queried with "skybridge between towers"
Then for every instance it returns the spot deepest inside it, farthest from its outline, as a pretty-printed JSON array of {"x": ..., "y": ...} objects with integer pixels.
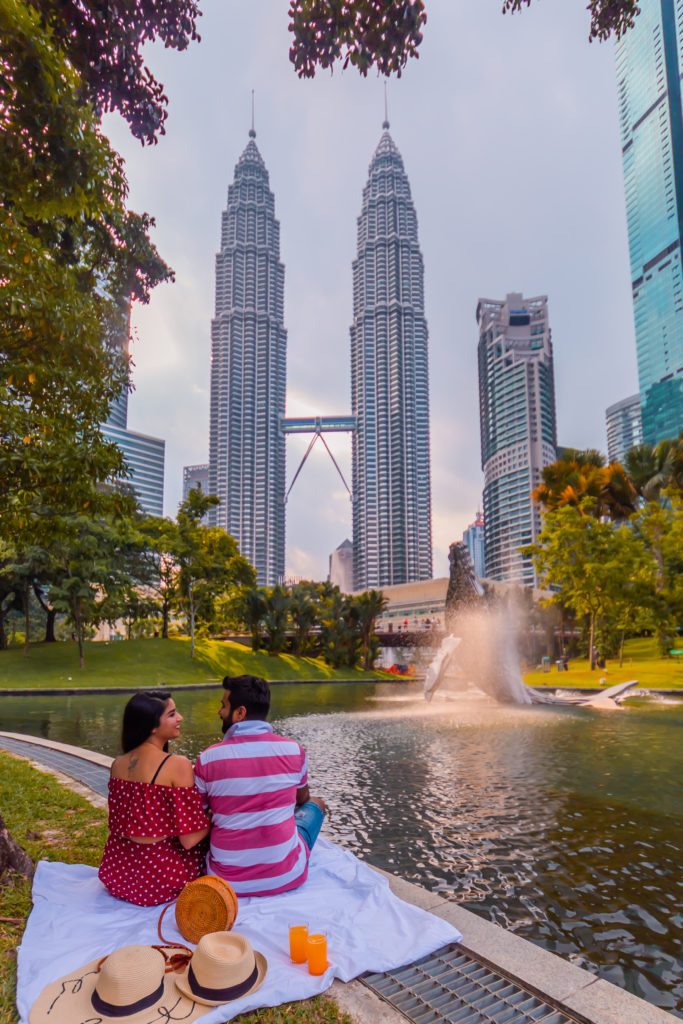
[{"x": 318, "y": 426}]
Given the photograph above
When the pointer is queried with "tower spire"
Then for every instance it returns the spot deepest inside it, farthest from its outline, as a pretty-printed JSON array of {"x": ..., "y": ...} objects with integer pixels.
[
  {"x": 385, "y": 124},
  {"x": 252, "y": 133}
]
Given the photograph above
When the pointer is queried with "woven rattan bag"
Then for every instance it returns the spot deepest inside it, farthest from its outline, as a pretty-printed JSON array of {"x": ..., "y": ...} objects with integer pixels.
[{"x": 208, "y": 904}]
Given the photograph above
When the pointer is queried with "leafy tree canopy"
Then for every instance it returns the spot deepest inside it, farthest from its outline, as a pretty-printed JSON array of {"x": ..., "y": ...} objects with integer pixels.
[
  {"x": 71, "y": 255},
  {"x": 102, "y": 40},
  {"x": 384, "y": 33}
]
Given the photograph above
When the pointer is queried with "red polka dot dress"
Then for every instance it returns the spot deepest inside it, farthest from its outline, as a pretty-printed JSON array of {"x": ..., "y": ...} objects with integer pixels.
[{"x": 150, "y": 873}]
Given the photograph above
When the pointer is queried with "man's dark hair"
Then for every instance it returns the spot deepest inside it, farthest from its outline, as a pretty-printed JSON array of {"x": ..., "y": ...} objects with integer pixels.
[
  {"x": 141, "y": 716},
  {"x": 250, "y": 692}
]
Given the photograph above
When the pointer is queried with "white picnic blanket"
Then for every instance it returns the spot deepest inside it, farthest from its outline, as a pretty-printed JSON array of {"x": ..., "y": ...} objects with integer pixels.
[{"x": 75, "y": 920}]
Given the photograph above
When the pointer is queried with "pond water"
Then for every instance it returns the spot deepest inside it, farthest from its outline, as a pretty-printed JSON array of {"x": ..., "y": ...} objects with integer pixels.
[{"x": 565, "y": 825}]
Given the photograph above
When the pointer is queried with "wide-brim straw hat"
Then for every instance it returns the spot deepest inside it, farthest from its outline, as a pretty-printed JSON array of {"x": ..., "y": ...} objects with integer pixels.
[
  {"x": 224, "y": 967},
  {"x": 129, "y": 986}
]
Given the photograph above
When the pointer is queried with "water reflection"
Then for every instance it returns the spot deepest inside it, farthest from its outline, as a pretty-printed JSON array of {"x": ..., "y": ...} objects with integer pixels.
[{"x": 564, "y": 825}]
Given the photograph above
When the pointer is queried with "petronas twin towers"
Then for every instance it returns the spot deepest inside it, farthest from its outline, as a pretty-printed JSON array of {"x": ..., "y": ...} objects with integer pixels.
[{"x": 389, "y": 379}]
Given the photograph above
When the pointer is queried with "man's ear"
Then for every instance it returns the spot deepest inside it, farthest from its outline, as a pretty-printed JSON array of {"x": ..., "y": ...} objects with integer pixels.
[{"x": 240, "y": 713}]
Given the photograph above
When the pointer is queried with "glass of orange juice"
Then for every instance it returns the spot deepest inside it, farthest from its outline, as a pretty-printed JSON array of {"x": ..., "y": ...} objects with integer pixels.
[
  {"x": 298, "y": 934},
  {"x": 317, "y": 953}
]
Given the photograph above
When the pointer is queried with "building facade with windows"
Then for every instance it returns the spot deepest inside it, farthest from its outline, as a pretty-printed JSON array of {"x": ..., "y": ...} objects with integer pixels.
[
  {"x": 518, "y": 427},
  {"x": 649, "y": 68},
  {"x": 624, "y": 428},
  {"x": 473, "y": 539},
  {"x": 341, "y": 567},
  {"x": 392, "y": 535},
  {"x": 194, "y": 477},
  {"x": 248, "y": 372},
  {"x": 145, "y": 457}
]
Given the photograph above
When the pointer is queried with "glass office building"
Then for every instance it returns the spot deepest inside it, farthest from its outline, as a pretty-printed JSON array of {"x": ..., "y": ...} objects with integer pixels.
[
  {"x": 145, "y": 457},
  {"x": 648, "y": 63},
  {"x": 624, "y": 428},
  {"x": 518, "y": 431}
]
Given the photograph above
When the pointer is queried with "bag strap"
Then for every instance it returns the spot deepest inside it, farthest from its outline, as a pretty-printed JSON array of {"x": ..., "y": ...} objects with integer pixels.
[
  {"x": 161, "y": 917},
  {"x": 154, "y": 777},
  {"x": 175, "y": 962}
]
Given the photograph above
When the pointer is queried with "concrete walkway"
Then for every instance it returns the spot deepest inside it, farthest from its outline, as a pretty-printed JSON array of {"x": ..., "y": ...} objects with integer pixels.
[{"x": 576, "y": 994}]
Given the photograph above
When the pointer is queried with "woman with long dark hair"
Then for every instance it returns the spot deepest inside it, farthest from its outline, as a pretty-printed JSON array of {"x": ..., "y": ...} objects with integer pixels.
[{"x": 156, "y": 817}]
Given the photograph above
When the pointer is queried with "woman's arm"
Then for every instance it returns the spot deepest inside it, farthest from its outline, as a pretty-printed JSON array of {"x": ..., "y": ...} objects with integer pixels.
[{"x": 183, "y": 777}]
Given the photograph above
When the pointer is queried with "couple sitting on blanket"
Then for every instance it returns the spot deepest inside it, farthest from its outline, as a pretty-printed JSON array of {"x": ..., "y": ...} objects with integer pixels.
[{"x": 253, "y": 785}]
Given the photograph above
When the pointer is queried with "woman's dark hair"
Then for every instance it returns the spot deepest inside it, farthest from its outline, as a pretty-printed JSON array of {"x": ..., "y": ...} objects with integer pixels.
[
  {"x": 141, "y": 716},
  {"x": 251, "y": 693}
]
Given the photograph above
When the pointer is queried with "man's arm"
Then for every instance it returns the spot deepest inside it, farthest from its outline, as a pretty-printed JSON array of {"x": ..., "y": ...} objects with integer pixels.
[{"x": 302, "y": 795}]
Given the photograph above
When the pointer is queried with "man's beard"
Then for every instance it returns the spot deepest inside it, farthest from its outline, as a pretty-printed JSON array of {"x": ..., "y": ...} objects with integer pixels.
[{"x": 225, "y": 724}]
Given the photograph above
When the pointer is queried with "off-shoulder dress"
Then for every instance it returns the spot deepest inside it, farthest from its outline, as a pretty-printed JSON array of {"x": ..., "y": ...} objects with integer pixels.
[{"x": 151, "y": 873}]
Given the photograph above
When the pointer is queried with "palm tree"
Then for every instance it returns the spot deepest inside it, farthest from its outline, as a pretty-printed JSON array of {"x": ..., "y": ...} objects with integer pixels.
[
  {"x": 653, "y": 468},
  {"x": 254, "y": 611},
  {"x": 277, "y": 603},
  {"x": 583, "y": 474},
  {"x": 304, "y": 614}
]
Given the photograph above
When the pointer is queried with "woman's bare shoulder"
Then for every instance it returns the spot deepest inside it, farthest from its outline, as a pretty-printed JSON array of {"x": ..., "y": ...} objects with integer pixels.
[{"x": 180, "y": 771}]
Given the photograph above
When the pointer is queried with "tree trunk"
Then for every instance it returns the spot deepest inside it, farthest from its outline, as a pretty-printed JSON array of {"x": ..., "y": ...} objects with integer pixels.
[
  {"x": 50, "y": 637},
  {"x": 12, "y": 856},
  {"x": 191, "y": 622},
  {"x": 592, "y": 637},
  {"x": 78, "y": 621},
  {"x": 51, "y": 614},
  {"x": 621, "y": 648},
  {"x": 27, "y": 617},
  {"x": 164, "y": 619},
  {"x": 3, "y": 634}
]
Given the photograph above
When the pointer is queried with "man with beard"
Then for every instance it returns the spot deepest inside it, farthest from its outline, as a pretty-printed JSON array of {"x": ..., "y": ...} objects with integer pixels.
[{"x": 255, "y": 784}]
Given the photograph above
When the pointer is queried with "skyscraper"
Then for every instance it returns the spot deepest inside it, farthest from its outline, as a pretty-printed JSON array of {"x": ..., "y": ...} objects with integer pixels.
[
  {"x": 624, "y": 427},
  {"x": 518, "y": 431},
  {"x": 392, "y": 533},
  {"x": 144, "y": 455},
  {"x": 649, "y": 68},
  {"x": 248, "y": 372},
  {"x": 473, "y": 539}
]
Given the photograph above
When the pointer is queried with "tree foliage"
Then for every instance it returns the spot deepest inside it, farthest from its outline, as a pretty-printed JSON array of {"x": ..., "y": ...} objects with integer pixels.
[
  {"x": 384, "y": 34},
  {"x": 608, "y": 17},
  {"x": 102, "y": 40},
  {"x": 363, "y": 33},
  {"x": 71, "y": 257},
  {"x": 593, "y": 563},
  {"x": 583, "y": 474}
]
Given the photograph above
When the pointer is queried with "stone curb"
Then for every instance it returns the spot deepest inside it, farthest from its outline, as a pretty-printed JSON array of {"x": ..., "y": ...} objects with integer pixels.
[{"x": 70, "y": 691}]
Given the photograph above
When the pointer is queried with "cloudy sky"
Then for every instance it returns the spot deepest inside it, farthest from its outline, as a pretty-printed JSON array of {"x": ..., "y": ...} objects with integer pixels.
[{"x": 508, "y": 130}]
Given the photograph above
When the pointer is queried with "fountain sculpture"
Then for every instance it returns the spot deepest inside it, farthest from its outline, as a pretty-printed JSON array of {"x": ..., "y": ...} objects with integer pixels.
[{"x": 480, "y": 649}]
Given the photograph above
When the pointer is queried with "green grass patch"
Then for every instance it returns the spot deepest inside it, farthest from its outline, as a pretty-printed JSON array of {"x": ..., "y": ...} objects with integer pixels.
[
  {"x": 641, "y": 661},
  {"x": 155, "y": 662},
  {"x": 52, "y": 823}
]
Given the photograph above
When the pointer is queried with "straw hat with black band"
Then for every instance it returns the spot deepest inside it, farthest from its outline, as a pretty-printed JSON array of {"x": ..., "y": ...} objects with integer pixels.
[
  {"x": 223, "y": 967},
  {"x": 133, "y": 985}
]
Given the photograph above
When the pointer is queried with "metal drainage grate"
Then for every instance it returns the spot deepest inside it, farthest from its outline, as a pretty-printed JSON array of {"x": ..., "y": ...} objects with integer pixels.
[{"x": 452, "y": 987}]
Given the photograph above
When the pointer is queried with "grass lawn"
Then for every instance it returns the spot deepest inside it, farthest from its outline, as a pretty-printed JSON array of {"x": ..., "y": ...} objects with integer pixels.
[
  {"x": 52, "y": 823},
  {"x": 641, "y": 662},
  {"x": 155, "y": 662}
]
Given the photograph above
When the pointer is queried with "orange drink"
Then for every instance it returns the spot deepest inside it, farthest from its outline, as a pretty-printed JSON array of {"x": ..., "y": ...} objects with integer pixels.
[
  {"x": 317, "y": 954},
  {"x": 298, "y": 934}
]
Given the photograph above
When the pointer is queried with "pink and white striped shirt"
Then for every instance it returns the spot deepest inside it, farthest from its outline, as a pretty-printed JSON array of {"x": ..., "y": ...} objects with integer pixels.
[{"x": 249, "y": 781}]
